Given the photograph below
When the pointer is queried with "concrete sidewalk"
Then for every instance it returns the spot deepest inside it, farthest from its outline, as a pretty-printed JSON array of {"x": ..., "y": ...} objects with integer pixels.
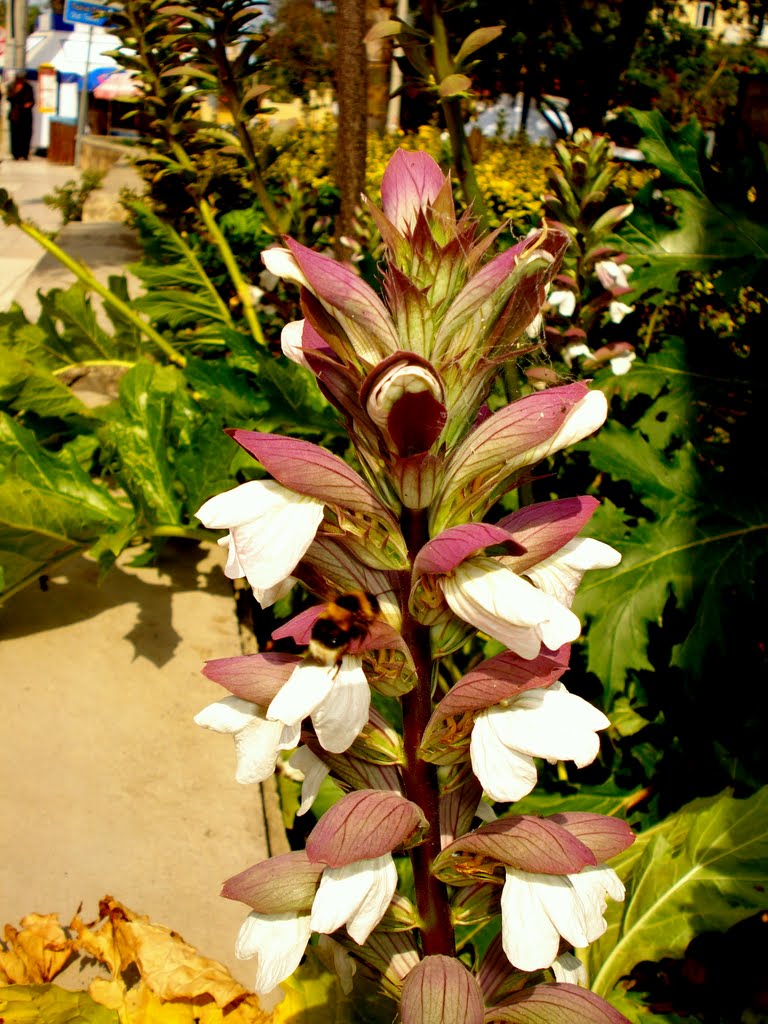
[
  {"x": 105, "y": 245},
  {"x": 108, "y": 787}
]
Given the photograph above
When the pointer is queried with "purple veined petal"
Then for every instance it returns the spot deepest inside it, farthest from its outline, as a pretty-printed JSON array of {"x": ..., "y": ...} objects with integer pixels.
[
  {"x": 278, "y": 942},
  {"x": 561, "y": 573},
  {"x": 506, "y": 607},
  {"x": 552, "y": 723},
  {"x": 314, "y": 771},
  {"x": 605, "y": 836},
  {"x": 404, "y": 397},
  {"x": 309, "y": 684},
  {"x": 440, "y": 990},
  {"x": 308, "y": 469},
  {"x": 521, "y": 841},
  {"x": 354, "y": 303},
  {"x": 285, "y": 883},
  {"x": 514, "y": 279},
  {"x": 362, "y": 826},
  {"x": 449, "y": 549},
  {"x": 505, "y": 774},
  {"x": 503, "y": 676},
  {"x": 556, "y": 1004},
  {"x": 254, "y": 677},
  {"x": 341, "y": 715},
  {"x": 411, "y": 182},
  {"x": 459, "y": 804},
  {"x": 545, "y": 527},
  {"x": 530, "y": 938},
  {"x": 518, "y": 436}
]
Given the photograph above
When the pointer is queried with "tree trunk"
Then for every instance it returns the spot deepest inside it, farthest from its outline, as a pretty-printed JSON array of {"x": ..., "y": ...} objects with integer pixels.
[{"x": 351, "y": 92}]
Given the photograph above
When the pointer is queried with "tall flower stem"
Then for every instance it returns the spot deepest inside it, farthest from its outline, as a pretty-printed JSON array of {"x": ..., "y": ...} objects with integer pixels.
[
  {"x": 420, "y": 777},
  {"x": 443, "y": 66}
]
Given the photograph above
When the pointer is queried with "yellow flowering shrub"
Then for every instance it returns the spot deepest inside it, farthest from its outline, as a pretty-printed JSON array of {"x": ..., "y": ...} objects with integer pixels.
[{"x": 511, "y": 174}]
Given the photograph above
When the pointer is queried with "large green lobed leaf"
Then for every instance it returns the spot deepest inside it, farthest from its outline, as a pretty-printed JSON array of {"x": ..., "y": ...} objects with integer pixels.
[{"x": 702, "y": 869}]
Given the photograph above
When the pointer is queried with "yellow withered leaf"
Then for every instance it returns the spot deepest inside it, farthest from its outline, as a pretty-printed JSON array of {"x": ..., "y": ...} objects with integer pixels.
[{"x": 37, "y": 952}]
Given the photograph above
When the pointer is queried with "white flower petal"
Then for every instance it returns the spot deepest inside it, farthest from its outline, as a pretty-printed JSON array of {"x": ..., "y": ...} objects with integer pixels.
[
  {"x": 551, "y": 723},
  {"x": 494, "y": 599},
  {"x": 504, "y": 773},
  {"x": 362, "y": 922},
  {"x": 563, "y": 300},
  {"x": 282, "y": 263},
  {"x": 308, "y": 685},
  {"x": 267, "y": 596},
  {"x": 618, "y": 310},
  {"x": 277, "y": 941},
  {"x": 561, "y": 573},
  {"x": 559, "y": 904},
  {"x": 339, "y": 719},
  {"x": 569, "y": 969},
  {"x": 256, "y": 749},
  {"x": 593, "y": 885},
  {"x": 233, "y": 570},
  {"x": 574, "y": 350},
  {"x": 270, "y": 527},
  {"x": 622, "y": 364},
  {"x": 229, "y": 715},
  {"x": 529, "y": 938},
  {"x": 364, "y": 887},
  {"x": 291, "y": 342},
  {"x": 332, "y": 953},
  {"x": 314, "y": 771},
  {"x": 584, "y": 419}
]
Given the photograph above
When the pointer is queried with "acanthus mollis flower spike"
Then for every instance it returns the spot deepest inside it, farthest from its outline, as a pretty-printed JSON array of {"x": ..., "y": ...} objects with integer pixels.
[
  {"x": 270, "y": 529},
  {"x": 440, "y": 990},
  {"x": 369, "y": 332},
  {"x": 489, "y": 461},
  {"x": 368, "y": 527}
]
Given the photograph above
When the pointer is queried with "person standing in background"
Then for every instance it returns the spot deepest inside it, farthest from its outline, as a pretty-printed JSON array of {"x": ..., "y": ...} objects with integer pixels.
[{"x": 21, "y": 101}]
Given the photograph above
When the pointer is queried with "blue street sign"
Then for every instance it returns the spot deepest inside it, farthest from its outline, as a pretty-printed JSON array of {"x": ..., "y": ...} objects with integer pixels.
[{"x": 83, "y": 12}]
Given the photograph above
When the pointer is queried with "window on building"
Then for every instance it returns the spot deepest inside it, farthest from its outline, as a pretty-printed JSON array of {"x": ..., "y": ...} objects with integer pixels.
[{"x": 705, "y": 15}]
